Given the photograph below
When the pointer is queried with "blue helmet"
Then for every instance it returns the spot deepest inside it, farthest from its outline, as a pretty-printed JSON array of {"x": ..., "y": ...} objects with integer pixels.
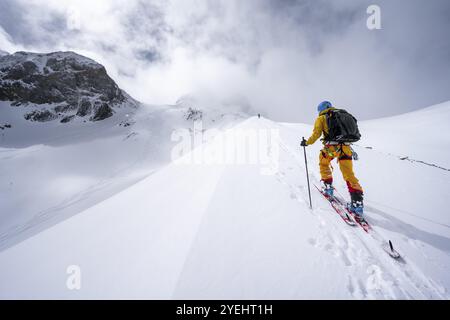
[{"x": 324, "y": 106}]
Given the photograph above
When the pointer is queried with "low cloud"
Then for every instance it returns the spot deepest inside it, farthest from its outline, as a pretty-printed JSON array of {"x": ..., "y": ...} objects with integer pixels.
[{"x": 281, "y": 57}]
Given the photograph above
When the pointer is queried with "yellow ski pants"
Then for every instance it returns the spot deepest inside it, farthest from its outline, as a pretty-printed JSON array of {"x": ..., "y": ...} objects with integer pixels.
[{"x": 344, "y": 155}]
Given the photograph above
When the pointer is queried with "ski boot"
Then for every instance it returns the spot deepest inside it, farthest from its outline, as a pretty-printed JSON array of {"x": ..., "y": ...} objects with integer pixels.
[
  {"x": 356, "y": 206},
  {"x": 327, "y": 189}
]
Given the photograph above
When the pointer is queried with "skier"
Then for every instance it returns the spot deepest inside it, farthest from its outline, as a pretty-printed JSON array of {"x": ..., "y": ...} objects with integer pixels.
[{"x": 336, "y": 149}]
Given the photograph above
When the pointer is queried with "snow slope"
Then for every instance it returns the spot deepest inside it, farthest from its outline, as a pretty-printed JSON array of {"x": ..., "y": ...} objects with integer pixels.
[
  {"x": 51, "y": 171},
  {"x": 413, "y": 135},
  {"x": 228, "y": 231}
]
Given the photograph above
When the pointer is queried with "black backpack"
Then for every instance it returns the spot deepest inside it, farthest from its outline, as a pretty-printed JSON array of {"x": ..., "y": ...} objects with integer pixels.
[{"x": 342, "y": 127}]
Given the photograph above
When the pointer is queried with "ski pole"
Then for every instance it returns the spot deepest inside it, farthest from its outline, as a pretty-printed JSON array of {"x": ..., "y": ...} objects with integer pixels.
[{"x": 307, "y": 175}]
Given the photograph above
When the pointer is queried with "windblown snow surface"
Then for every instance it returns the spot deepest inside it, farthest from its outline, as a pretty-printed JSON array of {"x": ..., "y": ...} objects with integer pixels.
[{"x": 181, "y": 230}]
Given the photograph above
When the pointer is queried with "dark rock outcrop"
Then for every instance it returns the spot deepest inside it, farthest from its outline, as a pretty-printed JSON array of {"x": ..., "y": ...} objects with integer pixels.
[
  {"x": 85, "y": 108},
  {"x": 67, "y": 119},
  {"x": 103, "y": 113},
  {"x": 193, "y": 114},
  {"x": 40, "y": 115},
  {"x": 74, "y": 84}
]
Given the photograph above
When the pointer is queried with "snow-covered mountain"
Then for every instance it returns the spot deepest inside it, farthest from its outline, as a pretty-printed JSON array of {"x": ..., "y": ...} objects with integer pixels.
[
  {"x": 53, "y": 170},
  {"x": 56, "y": 166},
  {"x": 181, "y": 229},
  {"x": 60, "y": 86}
]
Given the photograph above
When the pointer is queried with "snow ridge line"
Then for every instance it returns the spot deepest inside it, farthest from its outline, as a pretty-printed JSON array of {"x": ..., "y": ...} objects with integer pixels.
[
  {"x": 21, "y": 232},
  {"x": 407, "y": 158}
]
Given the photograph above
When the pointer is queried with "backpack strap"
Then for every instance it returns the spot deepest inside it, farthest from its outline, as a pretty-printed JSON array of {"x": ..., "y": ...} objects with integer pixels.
[
  {"x": 327, "y": 118},
  {"x": 343, "y": 155}
]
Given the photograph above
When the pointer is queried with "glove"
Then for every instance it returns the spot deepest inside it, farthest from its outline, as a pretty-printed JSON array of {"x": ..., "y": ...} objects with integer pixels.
[{"x": 303, "y": 143}]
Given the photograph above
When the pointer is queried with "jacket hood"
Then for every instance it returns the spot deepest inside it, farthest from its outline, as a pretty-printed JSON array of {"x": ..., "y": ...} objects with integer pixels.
[{"x": 326, "y": 110}]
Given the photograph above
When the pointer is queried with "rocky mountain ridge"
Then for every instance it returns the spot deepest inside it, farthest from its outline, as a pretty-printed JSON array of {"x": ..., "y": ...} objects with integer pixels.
[{"x": 60, "y": 86}]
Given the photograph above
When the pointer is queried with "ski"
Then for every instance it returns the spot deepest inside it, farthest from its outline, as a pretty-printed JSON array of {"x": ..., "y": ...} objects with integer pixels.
[
  {"x": 360, "y": 221},
  {"x": 337, "y": 207},
  {"x": 387, "y": 246}
]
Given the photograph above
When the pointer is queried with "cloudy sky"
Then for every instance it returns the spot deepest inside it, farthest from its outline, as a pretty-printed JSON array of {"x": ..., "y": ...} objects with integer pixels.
[{"x": 281, "y": 57}]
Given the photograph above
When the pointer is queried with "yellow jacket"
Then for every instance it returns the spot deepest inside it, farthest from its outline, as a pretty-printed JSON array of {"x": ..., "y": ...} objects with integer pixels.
[{"x": 320, "y": 127}]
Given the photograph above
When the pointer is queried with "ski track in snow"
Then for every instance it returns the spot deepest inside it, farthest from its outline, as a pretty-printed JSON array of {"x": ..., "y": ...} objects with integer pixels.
[
  {"x": 369, "y": 273},
  {"x": 48, "y": 217},
  {"x": 385, "y": 278}
]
